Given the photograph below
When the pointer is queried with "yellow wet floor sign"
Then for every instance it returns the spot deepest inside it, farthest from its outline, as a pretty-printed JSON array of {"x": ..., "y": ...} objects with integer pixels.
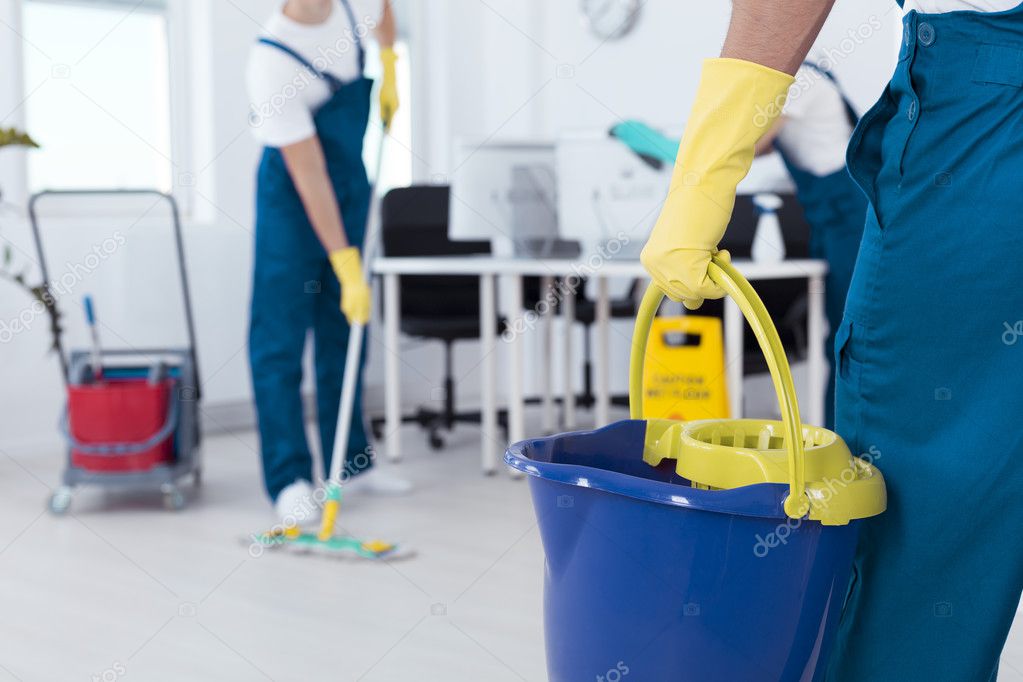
[{"x": 684, "y": 372}]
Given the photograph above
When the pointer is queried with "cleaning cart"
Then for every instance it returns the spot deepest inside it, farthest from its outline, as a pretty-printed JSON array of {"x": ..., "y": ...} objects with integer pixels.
[
  {"x": 132, "y": 415},
  {"x": 702, "y": 550}
]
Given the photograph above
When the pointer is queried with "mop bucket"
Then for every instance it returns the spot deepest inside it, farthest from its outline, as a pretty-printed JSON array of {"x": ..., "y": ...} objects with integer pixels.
[
  {"x": 697, "y": 551},
  {"x": 121, "y": 425}
]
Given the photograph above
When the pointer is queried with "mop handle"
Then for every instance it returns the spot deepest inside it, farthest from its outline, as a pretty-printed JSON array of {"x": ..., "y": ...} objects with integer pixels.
[
  {"x": 739, "y": 289},
  {"x": 90, "y": 320},
  {"x": 355, "y": 337}
]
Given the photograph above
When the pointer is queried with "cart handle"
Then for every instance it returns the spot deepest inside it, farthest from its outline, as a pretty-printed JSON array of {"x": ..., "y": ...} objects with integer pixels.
[
  {"x": 179, "y": 245},
  {"x": 724, "y": 274},
  {"x": 120, "y": 449}
]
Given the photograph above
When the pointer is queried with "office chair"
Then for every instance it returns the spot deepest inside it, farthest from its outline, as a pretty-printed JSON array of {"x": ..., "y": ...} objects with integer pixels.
[
  {"x": 586, "y": 314},
  {"x": 446, "y": 308}
]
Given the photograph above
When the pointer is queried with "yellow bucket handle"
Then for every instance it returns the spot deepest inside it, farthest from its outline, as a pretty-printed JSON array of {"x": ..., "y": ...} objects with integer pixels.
[{"x": 724, "y": 274}]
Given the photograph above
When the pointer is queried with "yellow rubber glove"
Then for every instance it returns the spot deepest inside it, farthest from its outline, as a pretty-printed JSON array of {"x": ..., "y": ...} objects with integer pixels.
[
  {"x": 736, "y": 103},
  {"x": 355, "y": 292},
  {"x": 389, "y": 86}
]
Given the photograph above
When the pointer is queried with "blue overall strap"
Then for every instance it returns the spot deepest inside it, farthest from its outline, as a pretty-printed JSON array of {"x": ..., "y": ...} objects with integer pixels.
[
  {"x": 355, "y": 35},
  {"x": 333, "y": 81},
  {"x": 850, "y": 111}
]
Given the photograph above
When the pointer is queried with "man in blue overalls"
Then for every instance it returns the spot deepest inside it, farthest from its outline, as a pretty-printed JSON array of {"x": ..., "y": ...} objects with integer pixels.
[
  {"x": 925, "y": 375},
  {"x": 311, "y": 106},
  {"x": 811, "y": 137}
]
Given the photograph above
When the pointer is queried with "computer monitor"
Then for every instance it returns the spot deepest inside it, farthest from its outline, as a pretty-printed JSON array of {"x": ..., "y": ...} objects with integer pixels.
[
  {"x": 607, "y": 193},
  {"x": 506, "y": 191}
]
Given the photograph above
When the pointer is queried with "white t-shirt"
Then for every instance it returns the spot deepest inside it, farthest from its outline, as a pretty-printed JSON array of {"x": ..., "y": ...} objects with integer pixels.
[
  {"x": 283, "y": 94},
  {"x": 817, "y": 130},
  {"x": 942, "y": 6}
]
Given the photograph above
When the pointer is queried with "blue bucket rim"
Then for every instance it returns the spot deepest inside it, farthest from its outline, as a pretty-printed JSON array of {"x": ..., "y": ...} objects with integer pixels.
[{"x": 763, "y": 500}]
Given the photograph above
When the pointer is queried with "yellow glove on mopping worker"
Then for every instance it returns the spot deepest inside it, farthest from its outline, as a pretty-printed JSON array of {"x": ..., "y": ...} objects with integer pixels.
[
  {"x": 736, "y": 103},
  {"x": 389, "y": 87},
  {"x": 355, "y": 292}
]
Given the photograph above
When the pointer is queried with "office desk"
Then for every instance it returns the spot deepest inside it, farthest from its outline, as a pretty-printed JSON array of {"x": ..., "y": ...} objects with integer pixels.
[{"x": 488, "y": 269}]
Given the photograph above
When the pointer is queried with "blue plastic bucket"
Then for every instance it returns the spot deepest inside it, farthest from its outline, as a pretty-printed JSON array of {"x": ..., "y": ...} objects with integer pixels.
[
  {"x": 649, "y": 579},
  {"x": 652, "y": 577}
]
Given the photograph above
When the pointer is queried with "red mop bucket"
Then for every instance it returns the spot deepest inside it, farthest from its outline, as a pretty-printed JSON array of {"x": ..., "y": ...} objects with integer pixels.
[{"x": 121, "y": 425}]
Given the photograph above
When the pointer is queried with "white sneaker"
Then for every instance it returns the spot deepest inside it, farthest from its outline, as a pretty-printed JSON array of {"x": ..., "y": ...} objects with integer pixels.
[
  {"x": 377, "y": 482},
  {"x": 295, "y": 506}
]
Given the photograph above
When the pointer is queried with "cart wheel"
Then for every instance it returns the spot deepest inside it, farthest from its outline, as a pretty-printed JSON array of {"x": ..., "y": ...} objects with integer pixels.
[
  {"x": 436, "y": 442},
  {"x": 60, "y": 500},
  {"x": 173, "y": 500}
]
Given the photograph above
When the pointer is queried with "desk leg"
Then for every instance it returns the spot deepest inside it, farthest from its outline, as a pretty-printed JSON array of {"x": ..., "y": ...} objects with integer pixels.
[
  {"x": 568, "y": 321},
  {"x": 516, "y": 411},
  {"x": 815, "y": 349},
  {"x": 488, "y": 349},
  {"x": 547, "y": 298},
  {"x": 603, "y": 370},
  {"x": 734, "y": 329},
  {"x": 392, "y": 367}
]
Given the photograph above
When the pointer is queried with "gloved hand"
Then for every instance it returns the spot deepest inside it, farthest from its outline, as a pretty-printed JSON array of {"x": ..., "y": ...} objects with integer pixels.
[
  {"x": 645, "y": 141},
  {"x": 736, "y": 103},
  {"x": 389, "y": 86},
  {"x": 355, "y": 292}
]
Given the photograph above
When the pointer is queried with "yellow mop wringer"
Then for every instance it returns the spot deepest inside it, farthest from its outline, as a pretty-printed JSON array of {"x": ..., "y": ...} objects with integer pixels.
[{"x": 327, "y": 540}]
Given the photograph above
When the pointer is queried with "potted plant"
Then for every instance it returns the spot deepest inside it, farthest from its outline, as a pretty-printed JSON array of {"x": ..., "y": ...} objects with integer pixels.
[
  {"x": 12, "y": 137},
  {"x": 15, "y": 137},
  {"x": 40, "y": 293}
]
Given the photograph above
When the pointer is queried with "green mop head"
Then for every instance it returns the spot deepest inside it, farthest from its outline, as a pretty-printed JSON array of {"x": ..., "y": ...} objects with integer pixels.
[
  {"x": 341, "y": 545},
  {"x": 326, "y": 541}
]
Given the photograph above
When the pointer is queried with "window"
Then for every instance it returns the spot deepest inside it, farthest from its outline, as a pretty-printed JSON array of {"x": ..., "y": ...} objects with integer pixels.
[{"x": 97, "y": 93}]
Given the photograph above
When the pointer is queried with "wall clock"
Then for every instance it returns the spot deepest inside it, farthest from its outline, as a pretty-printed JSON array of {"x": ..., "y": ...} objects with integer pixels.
[{"x": 611, "y": 19}]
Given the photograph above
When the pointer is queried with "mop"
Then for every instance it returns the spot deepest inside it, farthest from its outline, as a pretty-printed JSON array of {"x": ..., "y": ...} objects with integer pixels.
[
  {"x": 328, "y": 540},
  {"x": 96, "y": 352}
]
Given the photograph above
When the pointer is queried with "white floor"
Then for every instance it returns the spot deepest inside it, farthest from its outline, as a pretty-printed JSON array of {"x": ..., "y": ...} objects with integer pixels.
[{"x": 121, "y": 588}]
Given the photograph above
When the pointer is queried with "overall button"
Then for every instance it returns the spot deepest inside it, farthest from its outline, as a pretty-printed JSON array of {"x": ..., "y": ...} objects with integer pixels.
[
  {"x": 911, "y": 112},
  {"x": 925, "y": 34}
]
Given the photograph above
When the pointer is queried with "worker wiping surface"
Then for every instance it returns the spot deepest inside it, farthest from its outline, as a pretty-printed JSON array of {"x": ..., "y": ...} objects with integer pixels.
[
  {"x": 311, "y": 107},
  {"x": 811, "y": 136},
  {"x": 925, "y": 373}
]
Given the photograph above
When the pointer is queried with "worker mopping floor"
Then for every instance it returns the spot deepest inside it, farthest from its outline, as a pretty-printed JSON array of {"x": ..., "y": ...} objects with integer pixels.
[{"x": 327, "y": 540}]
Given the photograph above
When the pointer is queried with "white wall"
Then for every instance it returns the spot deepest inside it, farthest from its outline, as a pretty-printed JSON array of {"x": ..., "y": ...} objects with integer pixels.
[
  {"x": 517, "y": 69},
  {"x": 504, "y": 68}
]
